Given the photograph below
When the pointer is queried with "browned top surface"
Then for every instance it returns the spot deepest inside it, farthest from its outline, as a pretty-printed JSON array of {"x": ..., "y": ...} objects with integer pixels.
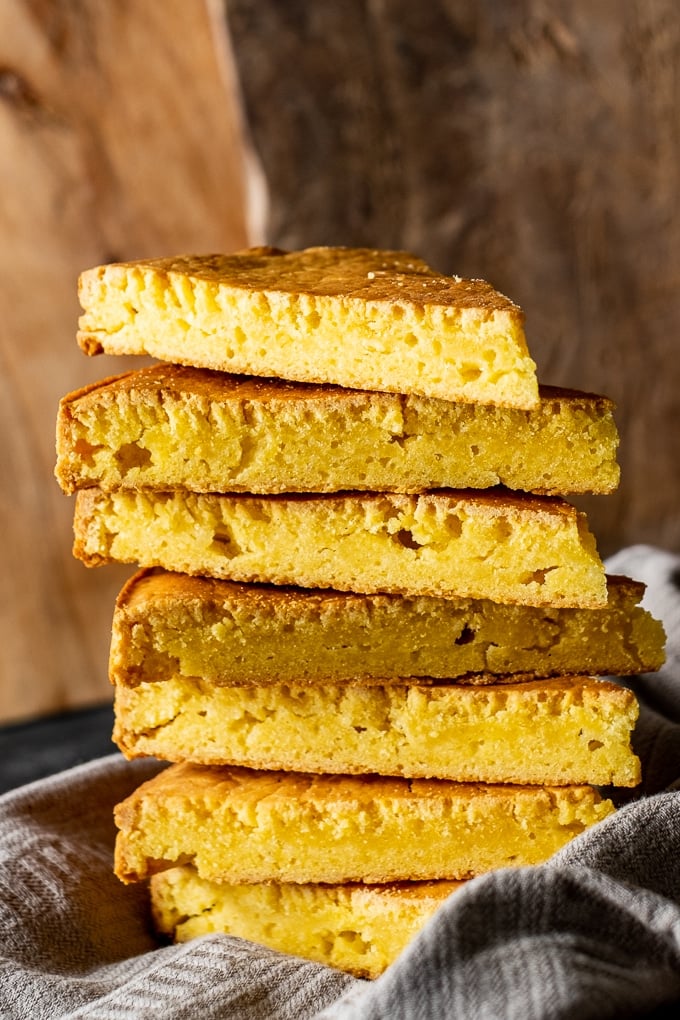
[
  {"x": 212, "y": 785},
  {"x": 153, "y": 585},
  {"x": 369, "y": 274},
  {"x": 215, "y": 386}
]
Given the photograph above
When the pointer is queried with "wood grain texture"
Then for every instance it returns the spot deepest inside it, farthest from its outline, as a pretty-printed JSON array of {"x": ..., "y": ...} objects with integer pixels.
[
  {"x": 536, "y": 144},
  {"x": 120, "y": 137}
]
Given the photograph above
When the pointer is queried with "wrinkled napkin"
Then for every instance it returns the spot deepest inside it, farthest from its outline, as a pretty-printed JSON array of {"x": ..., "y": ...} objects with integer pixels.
[{"x": 594, "y": 932}]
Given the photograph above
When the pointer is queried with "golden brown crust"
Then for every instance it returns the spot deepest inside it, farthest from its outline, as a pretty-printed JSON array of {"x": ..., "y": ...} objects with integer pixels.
[
  {"x": 495, "y": 502},
  {"x": 215, "y": 385},
  {"x": 244, "y": 786},
  {"x": 89, "y": 343},
  {"x": 366, "y": 274},
  {"x": 152, "y": 584}
]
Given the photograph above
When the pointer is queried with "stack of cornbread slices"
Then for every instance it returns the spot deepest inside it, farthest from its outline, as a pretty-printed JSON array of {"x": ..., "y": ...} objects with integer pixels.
[{"x": 367, "y": 629}]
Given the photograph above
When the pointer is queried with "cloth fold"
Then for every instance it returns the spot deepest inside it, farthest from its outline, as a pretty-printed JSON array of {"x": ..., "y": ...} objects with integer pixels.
[{"x": 594, "y": 932}]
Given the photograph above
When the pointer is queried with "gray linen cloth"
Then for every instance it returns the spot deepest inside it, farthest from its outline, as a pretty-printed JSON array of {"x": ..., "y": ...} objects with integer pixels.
[{"x": 594, "y": 932}]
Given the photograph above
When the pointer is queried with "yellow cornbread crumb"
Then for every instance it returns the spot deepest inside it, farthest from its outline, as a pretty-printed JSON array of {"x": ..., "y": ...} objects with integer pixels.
[
  {"x": 567, "y": 731},
  {"x": 244, "y": 826},
  {"x": 360, "y": 929},
  {"x": 172, "y": 427},
  {"x": 375, "y": 320},
  {"x": 529, "y": 551}
]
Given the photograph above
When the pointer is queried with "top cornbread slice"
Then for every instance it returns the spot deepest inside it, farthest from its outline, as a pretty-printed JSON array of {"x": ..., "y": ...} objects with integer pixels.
[
  {"x": 374, "y": 320},
  {"x": 357, "y": 927},
  {"x": 242, "y": 825},
  {"x": 169, "y": 426}
]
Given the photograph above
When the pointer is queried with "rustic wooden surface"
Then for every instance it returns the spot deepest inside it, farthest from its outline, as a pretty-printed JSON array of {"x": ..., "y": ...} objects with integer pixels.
[
  {"x": 119, "y": 138},
  {"x": 536, "y": 144}
]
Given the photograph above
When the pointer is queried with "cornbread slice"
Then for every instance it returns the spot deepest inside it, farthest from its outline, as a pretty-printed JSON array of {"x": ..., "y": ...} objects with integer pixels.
[
  {"x": 168, "y": 427},
  {"x": 357, "y": 928},
  {"x": 567, "y": 731},
  {"x": 168, "y": 625},
  {"x": 375, "y": 320},
  {"x": 531, "y": 550},
  {"x": 243, "y": 826}
]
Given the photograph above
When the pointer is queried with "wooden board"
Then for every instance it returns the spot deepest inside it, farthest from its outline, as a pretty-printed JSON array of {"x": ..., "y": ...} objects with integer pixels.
[{"x": 120, "y": 137}]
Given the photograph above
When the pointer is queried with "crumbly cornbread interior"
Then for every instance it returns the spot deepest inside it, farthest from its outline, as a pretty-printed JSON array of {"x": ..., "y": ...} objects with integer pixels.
[
  {"x": 375, "y": 320},
  {"x": 566, "y": 731},
  {"x": 529, "y": 551},
  {"x": 168, "y": 426},
  {"x": 168, "y": 625},
  {"x": 360, "y": 929},
  {"x": 243, "y": 826},
  {"x": 347, "y": 491}
]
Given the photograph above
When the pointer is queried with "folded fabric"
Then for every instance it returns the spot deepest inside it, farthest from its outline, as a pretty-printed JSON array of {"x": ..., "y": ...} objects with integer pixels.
[{"x": 594, "y": 932}]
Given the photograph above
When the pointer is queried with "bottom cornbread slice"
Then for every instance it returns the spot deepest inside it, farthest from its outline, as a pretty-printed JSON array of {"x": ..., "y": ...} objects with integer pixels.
[
  {"x": 357, "y": 928},
  {"x": 571, "y": 730},
  {"x": 242, "y": 826}
]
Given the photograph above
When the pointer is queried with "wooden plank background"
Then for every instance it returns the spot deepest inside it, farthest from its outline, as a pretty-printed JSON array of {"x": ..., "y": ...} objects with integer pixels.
[
  {"x": 536, "y": 144},
  {"x": 119, "y": 138}
]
